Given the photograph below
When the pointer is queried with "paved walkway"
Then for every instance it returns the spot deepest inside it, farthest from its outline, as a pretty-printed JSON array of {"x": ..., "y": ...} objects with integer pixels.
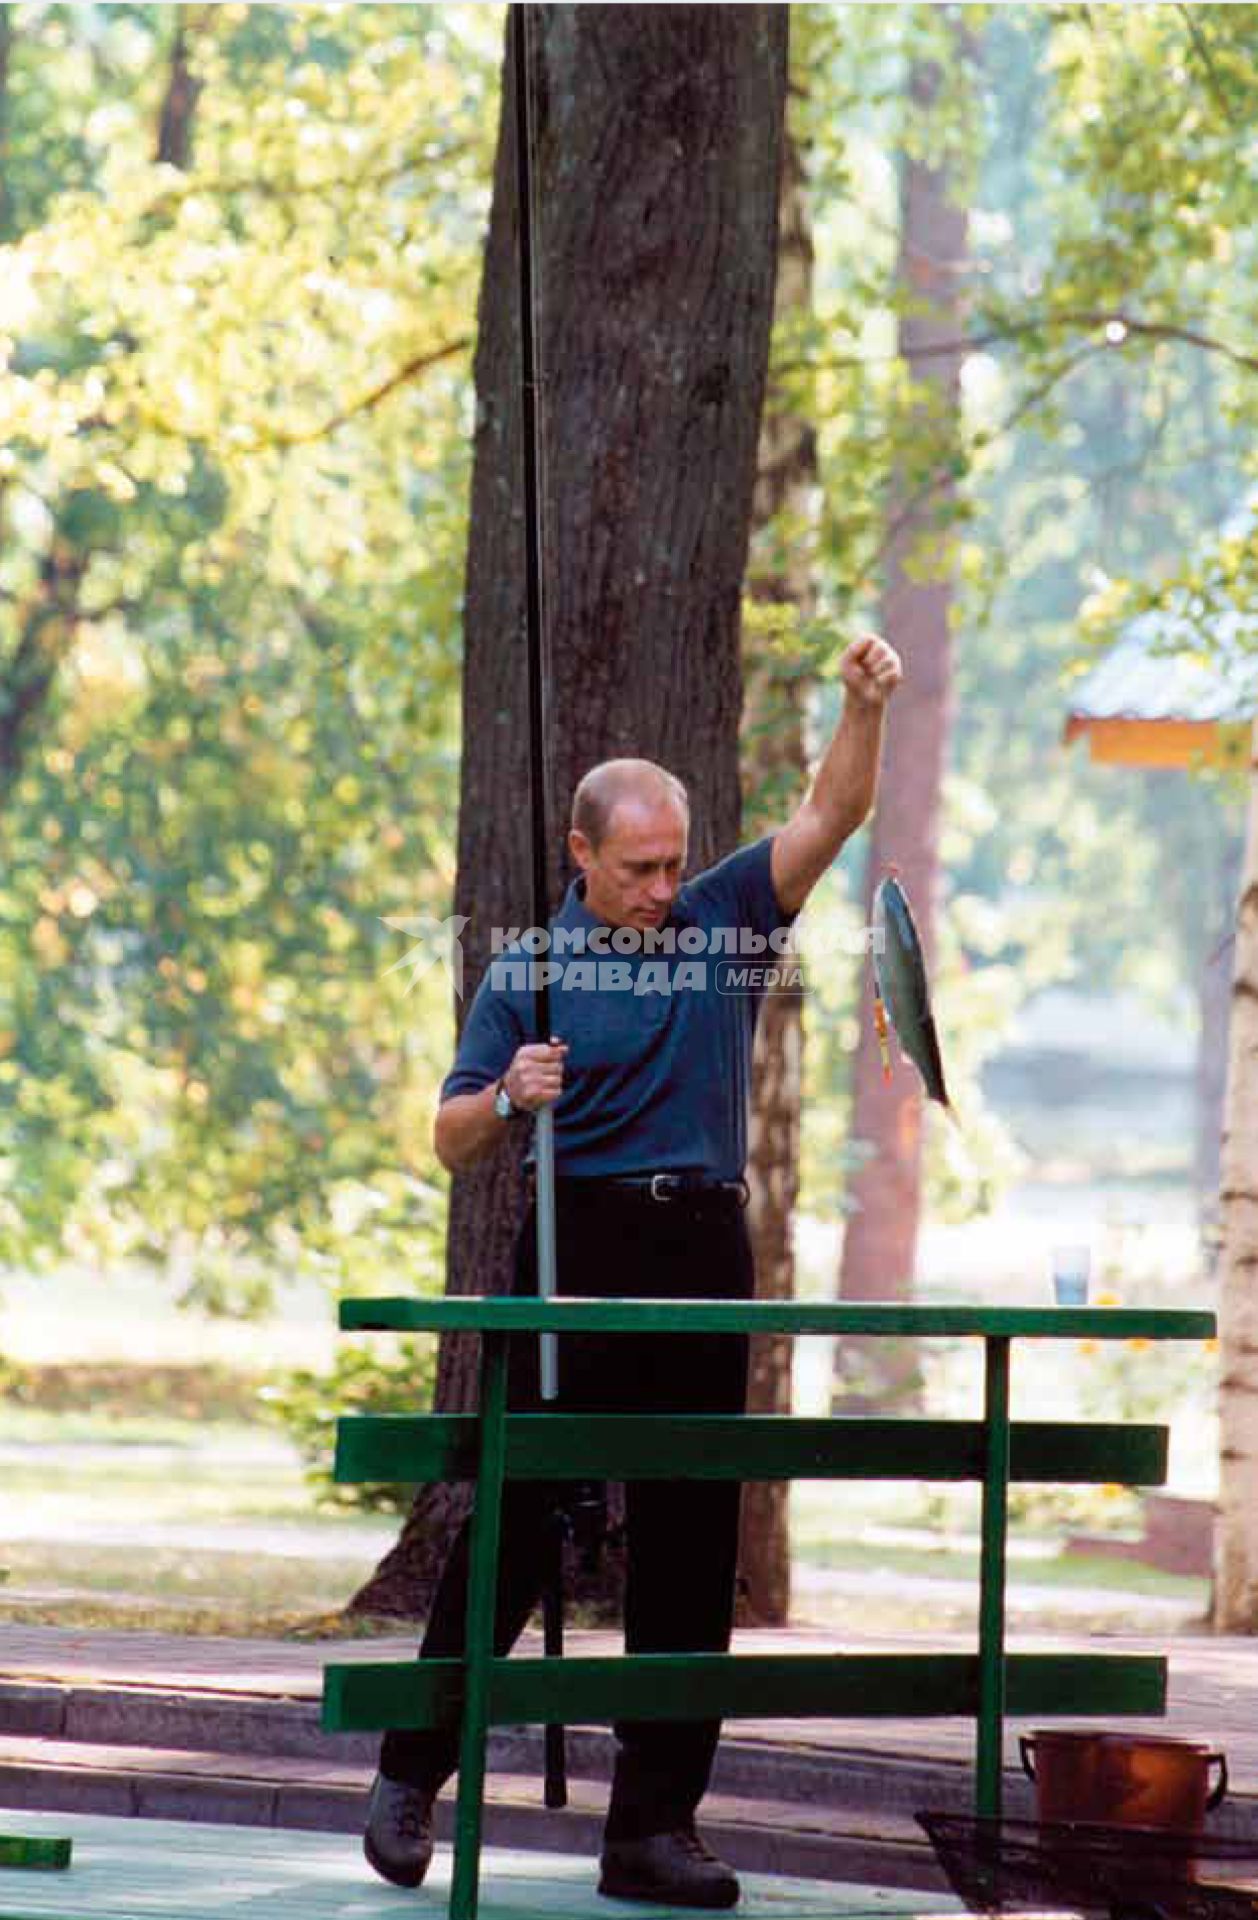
[
  {"x": 174, "y": 1871},
  {"x": 1213, "y": 1682}
]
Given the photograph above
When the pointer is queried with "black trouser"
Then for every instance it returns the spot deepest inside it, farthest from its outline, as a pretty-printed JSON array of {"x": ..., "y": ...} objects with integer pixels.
[{"x": 681, "y": 1536}]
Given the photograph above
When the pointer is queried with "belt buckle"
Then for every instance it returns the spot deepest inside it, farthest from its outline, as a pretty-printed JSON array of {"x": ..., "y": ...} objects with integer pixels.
[{"x": 659, "y": 1188}]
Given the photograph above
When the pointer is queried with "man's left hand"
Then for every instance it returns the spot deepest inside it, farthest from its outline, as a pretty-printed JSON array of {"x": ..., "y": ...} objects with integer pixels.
[{"x": 870, "y": 670}]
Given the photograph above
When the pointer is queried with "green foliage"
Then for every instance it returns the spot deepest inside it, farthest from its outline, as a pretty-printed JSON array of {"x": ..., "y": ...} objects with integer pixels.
[
  {"x": 308, "y": 1405},
  {"x": 1122, "y": 461},
  {"x": 234, "y": 484},
  {"x": 237, "y": 407},
  {"x": 1107, "y": 402}
]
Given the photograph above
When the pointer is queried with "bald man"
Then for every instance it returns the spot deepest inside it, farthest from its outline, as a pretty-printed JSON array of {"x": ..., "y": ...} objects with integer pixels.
[{"x": 654, "y": 991}]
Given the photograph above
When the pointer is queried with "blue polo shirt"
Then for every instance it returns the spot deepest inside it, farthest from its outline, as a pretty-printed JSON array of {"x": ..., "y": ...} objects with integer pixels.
[{"x": 657, "y": 1076}]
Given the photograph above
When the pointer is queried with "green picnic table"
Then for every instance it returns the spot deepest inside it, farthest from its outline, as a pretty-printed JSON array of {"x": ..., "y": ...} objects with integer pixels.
[{"x": 492, "y": 1445}]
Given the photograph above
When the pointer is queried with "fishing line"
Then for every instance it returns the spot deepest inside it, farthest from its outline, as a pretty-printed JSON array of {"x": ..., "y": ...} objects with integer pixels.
[
  {"x": 532, "y": 452},
  {"x": 534, "y": 628}
]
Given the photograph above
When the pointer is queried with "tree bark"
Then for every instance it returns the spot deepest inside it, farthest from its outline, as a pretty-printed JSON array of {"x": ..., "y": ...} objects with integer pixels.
[
  {"x": 178, "y": 113},
  {"x": 884, "y": 1194},
  {"x": 658, "y": 156},
  {"x": 1214, "y": 1002},
  {"x": 774, "y": 768},
  {"x": 1216, "y": 965},
  {"x": 1236, "y": 1583},
  {"x": 7, "y": 37}
]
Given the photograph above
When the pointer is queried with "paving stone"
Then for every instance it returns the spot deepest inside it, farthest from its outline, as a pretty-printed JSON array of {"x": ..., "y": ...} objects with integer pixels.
[
  {"x": 177, "y": 1871},
  {"x": 218, "y": 1731},
  {"x": 756, "y": 1835}
]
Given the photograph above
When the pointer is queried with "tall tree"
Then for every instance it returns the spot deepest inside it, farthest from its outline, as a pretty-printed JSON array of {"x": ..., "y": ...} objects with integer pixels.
[
  {"x": 774, "y": 764},
  {"x": 175, "y": 126},
  {"x": 880, "y": 1241},
  {"x": 209, "y": 739},
  {"x": 1236, "y": 1586},
  {"x": 658, "y": 147}
]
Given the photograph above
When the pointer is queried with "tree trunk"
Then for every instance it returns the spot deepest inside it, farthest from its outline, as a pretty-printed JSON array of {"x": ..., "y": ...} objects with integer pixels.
[
  {"x": 48, "y": 626},
  {"x": 1214, "y": 1002},
  {"x": 774, "y": 766},
  {"x": 6, "y": 144},
  {"x": 174, "y": 128},
  {"x": 1236, "y": 1585},
  {"x": 1215, "y": 967},
  {"x": 880, "y": 1241},
  {"x": 658, "y": 155}
]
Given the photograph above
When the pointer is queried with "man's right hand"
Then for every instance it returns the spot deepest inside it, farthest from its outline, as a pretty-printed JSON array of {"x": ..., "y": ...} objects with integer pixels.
[
  {"x": 535, "y": 1077},
  {"x": 468, "y": 1124}
]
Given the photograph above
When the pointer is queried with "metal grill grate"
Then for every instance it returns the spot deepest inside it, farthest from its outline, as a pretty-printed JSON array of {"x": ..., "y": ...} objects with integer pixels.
[{"x": 1118, "y": 1873}]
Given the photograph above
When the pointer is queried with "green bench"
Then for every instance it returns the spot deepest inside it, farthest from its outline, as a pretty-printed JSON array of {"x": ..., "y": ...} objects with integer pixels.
[{"x": 491, "y": 1446}]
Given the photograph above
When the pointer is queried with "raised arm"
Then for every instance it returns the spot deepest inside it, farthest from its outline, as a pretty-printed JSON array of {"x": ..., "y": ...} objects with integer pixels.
[{"x": 843, "y": 788}]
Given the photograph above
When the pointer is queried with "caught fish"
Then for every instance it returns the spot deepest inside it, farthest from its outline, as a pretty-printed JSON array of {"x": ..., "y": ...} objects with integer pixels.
[{"x": 900, "y": 974}]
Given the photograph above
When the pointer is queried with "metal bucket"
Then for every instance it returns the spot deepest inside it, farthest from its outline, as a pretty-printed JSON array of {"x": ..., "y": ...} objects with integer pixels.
[{"x": 1129, "y": 1780}]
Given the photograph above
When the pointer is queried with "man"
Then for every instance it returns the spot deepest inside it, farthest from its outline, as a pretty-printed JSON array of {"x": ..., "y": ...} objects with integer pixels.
[{"x": 649, "y": 1078}]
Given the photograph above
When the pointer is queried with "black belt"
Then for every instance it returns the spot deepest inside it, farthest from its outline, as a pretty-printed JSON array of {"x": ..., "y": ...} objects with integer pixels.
[{"x": 661, "y": 1187}]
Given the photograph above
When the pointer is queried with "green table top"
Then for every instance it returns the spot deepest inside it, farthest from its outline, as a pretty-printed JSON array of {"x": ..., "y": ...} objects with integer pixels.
[{"x": 567, "y": 1314}]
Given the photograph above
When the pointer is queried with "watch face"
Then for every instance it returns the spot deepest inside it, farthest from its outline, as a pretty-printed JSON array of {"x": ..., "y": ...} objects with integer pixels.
[{"x": 502, "y": 1104}]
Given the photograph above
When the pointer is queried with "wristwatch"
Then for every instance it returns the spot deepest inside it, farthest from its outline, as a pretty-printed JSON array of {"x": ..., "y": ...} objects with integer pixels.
[{"x": 504, "y": 1105}]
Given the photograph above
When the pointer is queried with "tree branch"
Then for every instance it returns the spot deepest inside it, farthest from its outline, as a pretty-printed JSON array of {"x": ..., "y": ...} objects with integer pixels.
[
  {"x": 972, "y": 343},
  {"x": 262, "y": 188},
  {"x": 943, "y": 474},
  {"x": 412, "y": 368},
  {"x": 307, "y": 437},
  {"x": 1207, "y": 60}
]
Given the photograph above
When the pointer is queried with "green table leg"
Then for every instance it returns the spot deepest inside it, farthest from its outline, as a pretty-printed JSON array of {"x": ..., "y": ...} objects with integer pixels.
[
  {"x": 991, "y": 1605},
  {"x": 481, "y": 1606}
]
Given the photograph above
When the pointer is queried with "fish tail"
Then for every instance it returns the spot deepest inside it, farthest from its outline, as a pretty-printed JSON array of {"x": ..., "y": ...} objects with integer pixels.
[{"x": 933, "y": 1073}]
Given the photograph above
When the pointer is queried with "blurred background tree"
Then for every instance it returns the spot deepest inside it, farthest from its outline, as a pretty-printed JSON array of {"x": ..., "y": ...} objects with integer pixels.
[{"x": 236, "y": 386}]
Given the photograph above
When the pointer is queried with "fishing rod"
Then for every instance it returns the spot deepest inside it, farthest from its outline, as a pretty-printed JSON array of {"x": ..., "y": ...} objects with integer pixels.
[{"x": 556, "y": 1789}]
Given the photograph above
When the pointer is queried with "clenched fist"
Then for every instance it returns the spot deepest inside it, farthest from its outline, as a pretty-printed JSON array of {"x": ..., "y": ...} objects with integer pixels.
[
  {"x": 870, "y": 670},
  {"x": 535, "y": 1077}
]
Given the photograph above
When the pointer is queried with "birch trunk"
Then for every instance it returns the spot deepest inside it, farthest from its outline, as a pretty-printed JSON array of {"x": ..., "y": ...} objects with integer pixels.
[{"x": 1236, "y": 1587}]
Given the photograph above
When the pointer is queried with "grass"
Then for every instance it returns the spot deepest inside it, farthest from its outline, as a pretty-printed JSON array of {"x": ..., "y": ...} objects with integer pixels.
[
  {"x": 239, "y": 1592},
  {"x": 215, "y": 1621},
  {"x": 157, "y": 1496},
  {"x": 921, "y": 1546},
  {"x": 191, "y": 1527},
  {"x": 1055, "y": 1571},
  {"x": 170, "y": 1524},
  {"x": 154, "y": 1472},
  {"x": 173, "y": 1528}
]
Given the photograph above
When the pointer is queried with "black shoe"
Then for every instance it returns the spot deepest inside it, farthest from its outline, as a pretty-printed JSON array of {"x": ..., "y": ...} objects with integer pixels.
[
  {"x": 674, "y": 1867},
  {"x": 398, "y": 1837}
]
